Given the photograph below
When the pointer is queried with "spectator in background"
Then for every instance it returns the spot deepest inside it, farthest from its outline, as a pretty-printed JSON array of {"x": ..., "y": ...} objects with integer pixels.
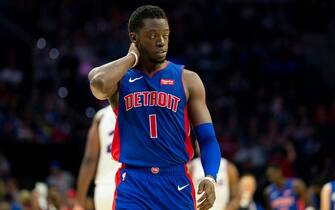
[
  {"x": 56, "y": 200},
  {"x": 11, "y": 75},
  {"x": 12, "y": 192},
  {"x": 59, "y": 178},
  {"x": 5, "y": 205},
  {"x": 4, "y": 166},
  {"x": 2, "y": 189},
  {"x": 40, "y": 192},
  {"x": 28, "y": 200},
  {"x": 244, "y": 200}
]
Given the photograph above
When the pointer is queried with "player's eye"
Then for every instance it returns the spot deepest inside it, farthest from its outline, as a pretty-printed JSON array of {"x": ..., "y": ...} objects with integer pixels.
[{"x": 153, "y": 36}]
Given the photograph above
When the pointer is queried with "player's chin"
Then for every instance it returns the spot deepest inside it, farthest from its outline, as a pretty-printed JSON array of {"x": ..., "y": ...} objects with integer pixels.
[
  {"x": 160, "y": 56},
  {"x": 159, "y": 59}
]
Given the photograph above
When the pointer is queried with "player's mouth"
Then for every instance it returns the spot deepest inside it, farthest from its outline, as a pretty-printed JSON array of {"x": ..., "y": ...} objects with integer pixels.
[{"x": 161, "y": 53}]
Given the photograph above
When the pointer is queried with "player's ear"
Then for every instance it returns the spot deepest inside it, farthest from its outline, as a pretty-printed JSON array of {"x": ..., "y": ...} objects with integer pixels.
[{"x": 132, "y": 36}]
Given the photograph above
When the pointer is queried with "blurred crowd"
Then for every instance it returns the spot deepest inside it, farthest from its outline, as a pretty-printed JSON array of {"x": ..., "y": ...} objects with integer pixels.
[
  {"x": 264, "y": 72},
  {"x": 56, "y": 192}
]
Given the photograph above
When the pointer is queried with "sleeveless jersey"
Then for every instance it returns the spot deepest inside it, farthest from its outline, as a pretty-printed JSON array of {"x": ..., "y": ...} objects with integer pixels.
[
  {"x": 222, "y": 186},
  {"x": 332, "y": 195},
  {"x": 152, "y": 126},
  {"x": 107, "y": 167},
  {"x": 283, "y": 199}
]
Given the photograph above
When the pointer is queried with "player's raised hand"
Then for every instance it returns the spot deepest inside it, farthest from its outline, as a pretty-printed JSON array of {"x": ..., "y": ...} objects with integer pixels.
[
  {"x": 135, "y": 52},
  {"x": 207, "y": 199},
  {"x": 134, "y": 49}
]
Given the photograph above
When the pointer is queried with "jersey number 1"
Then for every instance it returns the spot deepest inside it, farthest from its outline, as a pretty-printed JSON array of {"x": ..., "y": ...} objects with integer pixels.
[{"x": 153, "y": 126}]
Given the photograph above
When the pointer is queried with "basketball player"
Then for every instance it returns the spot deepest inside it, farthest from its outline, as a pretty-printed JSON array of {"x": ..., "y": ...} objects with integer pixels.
[
  {"x": 97, "y": 158},
  {"x": 227, "y": 180},
  {"x": 284, "y": 193},
  {"x": 247, "y": 186},
  {"x": 155, "y": 99},
  {"x": 328, "y": 196}
]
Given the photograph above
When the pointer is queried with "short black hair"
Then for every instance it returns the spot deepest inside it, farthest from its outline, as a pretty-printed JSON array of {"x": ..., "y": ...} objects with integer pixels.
[
  {"x": 274, "y": 165},
  {"x": 143, "y": 12}
]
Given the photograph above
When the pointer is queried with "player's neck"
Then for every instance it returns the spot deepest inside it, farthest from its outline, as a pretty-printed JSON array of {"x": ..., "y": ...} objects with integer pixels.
[
  {"x": 150, "y": 67},
  {"x": 280, "y": 183}
]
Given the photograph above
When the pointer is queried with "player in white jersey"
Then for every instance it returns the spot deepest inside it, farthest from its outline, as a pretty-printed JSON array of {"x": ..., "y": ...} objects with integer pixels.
[
  {"x": 98, "y": 158},
  {"x": 227, "y": 180},
  {"x": 327, "y": 198}
]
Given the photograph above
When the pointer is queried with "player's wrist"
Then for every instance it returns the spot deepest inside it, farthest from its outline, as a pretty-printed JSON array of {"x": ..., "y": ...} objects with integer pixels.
[
  {"x": 132, "y": 53},
  {"x": 210, "y": 178}
]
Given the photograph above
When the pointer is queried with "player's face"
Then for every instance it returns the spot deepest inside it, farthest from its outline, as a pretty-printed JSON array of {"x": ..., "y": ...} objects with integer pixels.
[
  {"x": 154, "y": 40},
  {"x": 273, "y": 174}
]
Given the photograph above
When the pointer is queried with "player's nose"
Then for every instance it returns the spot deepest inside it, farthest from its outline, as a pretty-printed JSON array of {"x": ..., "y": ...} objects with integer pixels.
[{"x": 161, "y": 41}]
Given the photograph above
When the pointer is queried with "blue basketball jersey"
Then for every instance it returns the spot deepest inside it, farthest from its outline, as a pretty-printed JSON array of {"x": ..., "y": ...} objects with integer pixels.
[
  {"x": 152, "y": 126},
  {"x": 283, "y": 199},
  {"x": 332, "y": 196}
]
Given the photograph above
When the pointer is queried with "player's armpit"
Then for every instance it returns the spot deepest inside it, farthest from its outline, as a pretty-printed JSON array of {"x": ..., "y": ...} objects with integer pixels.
[{"x": 114, "y": 99}]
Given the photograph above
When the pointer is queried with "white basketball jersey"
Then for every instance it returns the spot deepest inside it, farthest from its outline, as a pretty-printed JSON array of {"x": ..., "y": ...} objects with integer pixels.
[
  {"x": 107, "y": 167},
  {"x": 222, "y": 186}
]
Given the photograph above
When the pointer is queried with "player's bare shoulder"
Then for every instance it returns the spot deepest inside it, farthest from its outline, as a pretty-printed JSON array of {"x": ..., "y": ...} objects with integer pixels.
[
  {"x": 192, "y": 82},
  {"x": 190, "y": 76}
]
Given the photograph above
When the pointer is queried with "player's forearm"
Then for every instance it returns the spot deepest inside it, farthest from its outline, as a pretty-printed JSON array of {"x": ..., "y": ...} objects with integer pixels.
[
  {"x": 210, "y": 149},
  {"x": 86, "y": 174},
  {"x": 104, "y": 79}
]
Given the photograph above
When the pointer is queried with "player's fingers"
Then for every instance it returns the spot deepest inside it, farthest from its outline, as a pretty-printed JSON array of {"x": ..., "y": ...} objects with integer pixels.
[
  {"x": 202, "y": 198},
  {"x": 207, "y": 202},
  {"x": 201, "y": 187},
  {"x": 204, "y": 205},
  {"x": 205, "y": 208},
  {"x": 210, "y": 195},
  {"x": 210, "y": 192},
  {"x": 211, "y": 199}
]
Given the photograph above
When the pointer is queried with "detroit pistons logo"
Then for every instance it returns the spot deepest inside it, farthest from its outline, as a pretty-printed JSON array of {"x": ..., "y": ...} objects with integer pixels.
[
  {"x": 151, "y": 98},
  {"x": 155, "y": 170}
]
